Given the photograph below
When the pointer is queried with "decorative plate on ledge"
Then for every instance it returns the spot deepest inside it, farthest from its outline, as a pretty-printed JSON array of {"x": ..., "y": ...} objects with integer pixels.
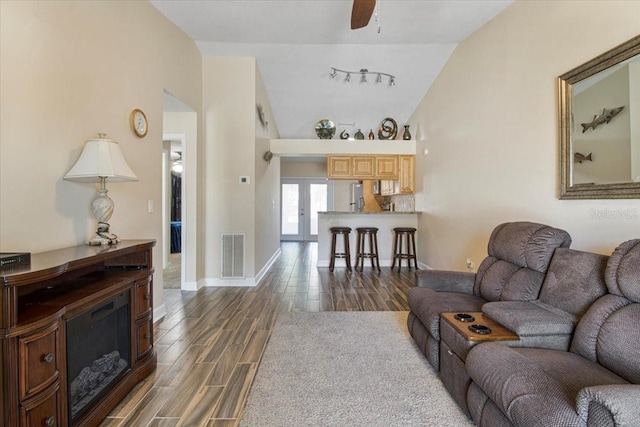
[{"x": 325, "y": 129}]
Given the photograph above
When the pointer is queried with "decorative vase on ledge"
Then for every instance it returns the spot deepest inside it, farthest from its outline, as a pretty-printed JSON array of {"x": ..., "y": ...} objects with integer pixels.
[{"x": 406, "y": 135}]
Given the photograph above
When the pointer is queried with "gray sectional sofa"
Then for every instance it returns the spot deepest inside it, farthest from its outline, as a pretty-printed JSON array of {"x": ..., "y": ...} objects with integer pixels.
[{"x": 577, "y": 359}]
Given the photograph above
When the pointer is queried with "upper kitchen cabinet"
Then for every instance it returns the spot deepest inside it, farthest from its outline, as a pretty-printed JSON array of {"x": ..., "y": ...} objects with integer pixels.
[
  {"x": 362, "y": 167},
  {"x": 406, "y": 174}
]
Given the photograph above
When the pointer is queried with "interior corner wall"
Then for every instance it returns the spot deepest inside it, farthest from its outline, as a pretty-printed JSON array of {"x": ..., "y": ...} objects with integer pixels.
[
  {"x": 69, "y": 70},
  {"x": 489, "y": 123},
  {"x": 634, "y": 111},
  {"x": 267, "y": 189},
  {"x": 229, "y": 150}
]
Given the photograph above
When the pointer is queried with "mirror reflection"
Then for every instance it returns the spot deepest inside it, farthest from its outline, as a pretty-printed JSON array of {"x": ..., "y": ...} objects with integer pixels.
[
  {"x": 599, "y": 122},
  {"x": 606, "y": 145}
]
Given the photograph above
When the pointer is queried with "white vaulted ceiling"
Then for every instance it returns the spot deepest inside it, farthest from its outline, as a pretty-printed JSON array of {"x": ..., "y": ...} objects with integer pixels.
[{"x": 296, "y": 42}]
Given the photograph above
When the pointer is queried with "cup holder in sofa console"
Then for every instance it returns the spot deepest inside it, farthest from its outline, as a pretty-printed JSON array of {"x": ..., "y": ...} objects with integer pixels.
[
  {"x": 464, "y": 317},
  {"x": 480, "y": 329}
]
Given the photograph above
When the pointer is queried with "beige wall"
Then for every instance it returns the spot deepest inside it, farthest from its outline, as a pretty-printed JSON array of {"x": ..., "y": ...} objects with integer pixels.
[
  {"x": 69, "y": 70},
  {"x": 267, "y": 177},
  {"x": 234, "y": 148},
  {"x": 489, "y": 123}
]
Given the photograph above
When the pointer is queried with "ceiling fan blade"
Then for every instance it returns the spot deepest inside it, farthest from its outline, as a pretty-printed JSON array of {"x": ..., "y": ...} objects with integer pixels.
[{"x": 361, "y": 13}]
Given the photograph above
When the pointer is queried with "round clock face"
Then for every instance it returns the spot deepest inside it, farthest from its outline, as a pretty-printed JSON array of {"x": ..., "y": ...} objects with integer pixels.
[{"x": 139, "y": 123}]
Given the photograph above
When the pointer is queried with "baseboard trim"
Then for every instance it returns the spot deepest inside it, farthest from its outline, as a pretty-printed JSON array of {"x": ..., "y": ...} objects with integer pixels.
[
  {"x": 246, "y": 282},
  {"x": 159, "y": 313}
]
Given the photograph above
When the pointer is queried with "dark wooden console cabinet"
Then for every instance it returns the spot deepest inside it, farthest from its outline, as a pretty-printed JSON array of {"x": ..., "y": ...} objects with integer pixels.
[{"x": 37, "y": 300}]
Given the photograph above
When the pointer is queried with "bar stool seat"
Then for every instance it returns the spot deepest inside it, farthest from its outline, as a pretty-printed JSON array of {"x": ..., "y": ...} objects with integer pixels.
[
  {"x": 408, "y": 234},
  {"x": 344, "y": 231},
  {"x": 372, "y": 232}
]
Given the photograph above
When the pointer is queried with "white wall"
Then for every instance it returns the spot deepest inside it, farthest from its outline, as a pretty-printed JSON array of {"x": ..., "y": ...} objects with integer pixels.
[
  {"x": 69, "y": 70},
  {"x": 490, "y": 124}
]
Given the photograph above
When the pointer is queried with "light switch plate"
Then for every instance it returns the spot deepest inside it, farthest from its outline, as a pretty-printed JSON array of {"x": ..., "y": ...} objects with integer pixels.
[{"x": 244, "y": 180}]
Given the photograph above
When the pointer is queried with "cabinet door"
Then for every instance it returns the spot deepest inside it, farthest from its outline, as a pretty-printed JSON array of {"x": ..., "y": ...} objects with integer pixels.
[
  {"x": 339, "y": 167},
  {"x": 386, "y": 187},
  {"x": 406, "y": 182},
  {"x": 386, "y": 167},
  {"x": 363, "y": 167}
]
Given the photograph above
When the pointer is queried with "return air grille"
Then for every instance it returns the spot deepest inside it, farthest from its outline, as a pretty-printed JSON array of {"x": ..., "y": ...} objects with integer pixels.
[{"x": 232, "y": 256}]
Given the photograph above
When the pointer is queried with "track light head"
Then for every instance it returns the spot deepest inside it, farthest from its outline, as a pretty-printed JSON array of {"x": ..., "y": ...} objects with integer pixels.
[{"x": 348, "y": 78}]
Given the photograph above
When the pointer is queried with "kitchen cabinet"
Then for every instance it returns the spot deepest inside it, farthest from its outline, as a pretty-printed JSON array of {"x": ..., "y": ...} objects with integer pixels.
[
  {"x": 362, "y": 167},
  {"x": 405, "y": 184},
  {"x": 386, "y": 167},
  {"x": 339, "y": 167},
  {"x": 387, "y": 187},
  {"x": 406, "y": 175}
]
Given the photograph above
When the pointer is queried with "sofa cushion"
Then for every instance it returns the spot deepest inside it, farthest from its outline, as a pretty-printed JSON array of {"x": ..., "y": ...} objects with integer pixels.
[
  {"x": 608, "y": 334},
  {"x": 574, "y": 281},
  {"x": 499, "y": 280},
  {"x": 530, "y": 317},
  {"x": 527, "y": 244},
  {"x": 427, "y": 304},
  {"x": 622, "y": 274},
  {"x": 534, "y": 386}
]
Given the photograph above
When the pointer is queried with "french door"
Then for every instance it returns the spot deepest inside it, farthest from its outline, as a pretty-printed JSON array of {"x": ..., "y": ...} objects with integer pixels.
[{"x": 302, "y": 198}]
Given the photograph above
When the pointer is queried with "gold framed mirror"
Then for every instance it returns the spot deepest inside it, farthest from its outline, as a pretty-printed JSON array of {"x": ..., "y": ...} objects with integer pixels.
[{"x": 599, "y": 126}]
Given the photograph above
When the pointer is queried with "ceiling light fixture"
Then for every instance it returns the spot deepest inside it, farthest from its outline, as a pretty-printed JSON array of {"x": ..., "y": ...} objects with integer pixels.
[{"x": 363, "y": 75}]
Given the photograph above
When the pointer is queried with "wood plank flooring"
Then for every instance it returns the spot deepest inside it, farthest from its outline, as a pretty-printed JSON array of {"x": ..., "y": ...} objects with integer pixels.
[{"x": 210, "y": 343}]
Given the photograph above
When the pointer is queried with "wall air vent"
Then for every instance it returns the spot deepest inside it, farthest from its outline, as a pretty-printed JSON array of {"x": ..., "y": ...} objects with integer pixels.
[{"x": 232, "y": 256}]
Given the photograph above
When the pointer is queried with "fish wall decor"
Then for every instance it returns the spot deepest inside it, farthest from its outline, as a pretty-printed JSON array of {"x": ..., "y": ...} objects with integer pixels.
[
  {"x": 579, "y": 158},
  {"x": 599, "y": 119}
]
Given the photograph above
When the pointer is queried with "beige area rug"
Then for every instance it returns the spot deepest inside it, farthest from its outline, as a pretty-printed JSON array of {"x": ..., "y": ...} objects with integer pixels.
[{"x": 347, "y": 369}]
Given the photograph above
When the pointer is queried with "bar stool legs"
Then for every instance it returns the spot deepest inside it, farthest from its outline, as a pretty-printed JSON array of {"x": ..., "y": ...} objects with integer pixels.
[
  {"x": 335, "y": 231},
  {"x": 408, "y": 233},
  {"x": 372, "y": 232}
]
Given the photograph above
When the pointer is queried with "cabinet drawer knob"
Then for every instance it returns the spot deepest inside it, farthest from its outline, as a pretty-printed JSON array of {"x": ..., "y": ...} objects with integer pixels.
[
  {"x": 50, "y": 421},
  {"x": 147, "y": 297},
  {"x": 450, "y": 352},
  {"x": 48, "y": 358},
  {"x": 147, "y": 336}
]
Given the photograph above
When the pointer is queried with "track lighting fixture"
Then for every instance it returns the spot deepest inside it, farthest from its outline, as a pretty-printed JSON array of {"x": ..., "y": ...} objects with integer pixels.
[{"x": 363, "y": 75}]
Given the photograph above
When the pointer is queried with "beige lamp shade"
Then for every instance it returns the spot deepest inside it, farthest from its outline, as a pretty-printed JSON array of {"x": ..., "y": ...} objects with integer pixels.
[{"x": 101, "y": 158}]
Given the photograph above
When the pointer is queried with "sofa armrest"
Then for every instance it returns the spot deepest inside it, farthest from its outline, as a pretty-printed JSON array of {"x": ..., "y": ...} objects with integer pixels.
[
  {"x": 446, "y": 281},
  {"x": 619, "y": 403}
]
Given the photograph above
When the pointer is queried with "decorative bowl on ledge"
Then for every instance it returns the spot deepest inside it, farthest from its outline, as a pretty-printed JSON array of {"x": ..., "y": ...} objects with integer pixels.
[{"x": 325, "y": 129}]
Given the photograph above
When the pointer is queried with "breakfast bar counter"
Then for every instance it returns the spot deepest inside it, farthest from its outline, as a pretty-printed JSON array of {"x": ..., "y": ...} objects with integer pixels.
[{"x": 385, "y": 221}]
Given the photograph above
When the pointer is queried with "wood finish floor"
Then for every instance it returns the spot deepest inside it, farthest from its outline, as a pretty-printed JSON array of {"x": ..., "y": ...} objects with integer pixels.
[{"x": 210, "y": 343}]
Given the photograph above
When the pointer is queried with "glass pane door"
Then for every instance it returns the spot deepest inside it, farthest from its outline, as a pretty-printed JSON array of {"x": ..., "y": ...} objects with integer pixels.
[
  {"x": 291, "y": 223},
  {"x": 302, "y": 198}
]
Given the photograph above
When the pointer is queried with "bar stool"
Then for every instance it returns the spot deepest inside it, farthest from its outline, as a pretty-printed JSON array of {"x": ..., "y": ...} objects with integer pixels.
[
  {"x": 335, "y": 231},
  {"x": 409, "y": 234},
  {"x": 372, "y": 232}
]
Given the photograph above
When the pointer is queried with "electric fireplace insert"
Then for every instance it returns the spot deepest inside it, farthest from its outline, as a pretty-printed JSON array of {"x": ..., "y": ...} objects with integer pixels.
[{"x": 98, "y": 352}]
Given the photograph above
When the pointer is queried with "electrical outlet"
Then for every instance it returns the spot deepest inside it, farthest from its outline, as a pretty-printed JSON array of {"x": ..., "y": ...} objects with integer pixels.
[{"x": 471, "y": 266}]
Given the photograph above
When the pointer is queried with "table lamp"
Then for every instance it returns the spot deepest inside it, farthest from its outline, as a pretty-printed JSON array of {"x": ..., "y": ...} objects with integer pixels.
[{"x": 101, "y": 159}]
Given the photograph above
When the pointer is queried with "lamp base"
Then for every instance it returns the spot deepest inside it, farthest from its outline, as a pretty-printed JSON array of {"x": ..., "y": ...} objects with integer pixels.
[
  {"x": 103, "y": 236},
  {"x": 101, "y": 241}
]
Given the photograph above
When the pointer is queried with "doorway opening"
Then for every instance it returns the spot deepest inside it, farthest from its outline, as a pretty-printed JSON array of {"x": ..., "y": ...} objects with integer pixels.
[
  {"x": 179, "y": 160},
  {"x": 301, "y": 200}
]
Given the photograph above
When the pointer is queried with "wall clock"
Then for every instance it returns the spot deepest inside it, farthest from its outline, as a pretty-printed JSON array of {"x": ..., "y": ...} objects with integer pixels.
[{"x": 139, "y": 123}]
